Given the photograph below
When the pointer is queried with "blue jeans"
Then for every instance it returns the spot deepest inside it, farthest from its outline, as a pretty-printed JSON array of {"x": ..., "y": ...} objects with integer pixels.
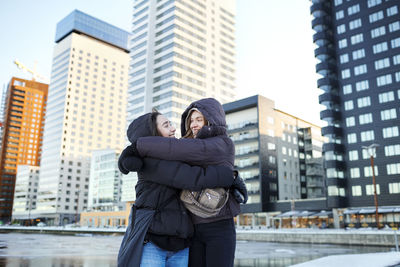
[{"x": 154, "y": 256}]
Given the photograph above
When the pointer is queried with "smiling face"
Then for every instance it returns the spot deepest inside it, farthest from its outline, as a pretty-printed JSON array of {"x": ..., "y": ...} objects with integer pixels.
[
  {"x": 196, "y": 122},
  {"x": 164, "y": 126}
]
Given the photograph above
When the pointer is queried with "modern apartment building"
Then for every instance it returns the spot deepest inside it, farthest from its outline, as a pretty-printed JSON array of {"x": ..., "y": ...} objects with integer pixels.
[
  {"x": 86, "y": 111},
  {"x": 278, "y": 155},
  {"x": 25, "y": 108},
  {"x": 358, "y": 48},
  {"x": 25, "y": 196},
  {"x": 181, "y": 51},
  {"x": 105, "y": 182}
]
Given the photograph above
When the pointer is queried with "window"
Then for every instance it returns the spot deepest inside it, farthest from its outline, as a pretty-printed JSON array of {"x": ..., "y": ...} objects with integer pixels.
[
  {"x": 393, "y": 168},
  {"x": 341, "y": 28},
  {"x": 384, "y": 80},
  {"x": 358, "y": 38},
  {"x": 365, "y": 154},
  {"x": 348, "y": 105},
  {"x": 353, "y": 155},
  {"x": 342, "y": 43},
  {"x": 395, "y": 26},
  {"x": 378, "y": 32},
  {"x": 347, "y": 89},
  {"x": 344, "y": 58},
  {"x": 367, "y": 136},
  {"x": 357, "y": 54},
  {"x": 353, "y": 9},
  {"x": 390, "y": 132},
  {"x": 386, "y": 97},
  {"x": 361, "y": 69},
  {"x": 354, "y": 24},
  {"x": 379, "y": 48},
  {"x": 351, "y": 138},
  {"x": 392, "y": 11},
  {"x": 396, "y": 60},
  {"x": 376, "y": 16},
  {"x": 363, "y": 102},
  {"x": 372, "y": 3},
  {"x": 388, "y": 114},
  {"x": 356, "y": 190},
  {"x": 368, "y": 171},
  {"x": 392, "y": 150},
  {"x": 397, "y": 76},
  {"x": 362, "y": 85},
  {"x": 394, "y": 188},
  {"x": 345, "y": 73},
  {"x": 339, "y": 14},
  {"x": 355, "y": 172},
  {"x": 395, "y": 42},
  {"x": 338, "y": 2},
  {"x": 369, "y": 189},
  {"x": 382, "y": 63},
  {"x": 350, "y": 121}
]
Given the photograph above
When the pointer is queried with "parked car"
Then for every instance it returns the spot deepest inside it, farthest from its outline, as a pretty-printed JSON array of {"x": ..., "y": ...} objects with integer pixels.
[{"x": 41, "y": 224}]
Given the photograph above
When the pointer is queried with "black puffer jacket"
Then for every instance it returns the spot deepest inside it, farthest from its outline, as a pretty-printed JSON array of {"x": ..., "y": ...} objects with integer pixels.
[
  {"x": 211, "y": 147},
  {"x": 159, "y": 185}
]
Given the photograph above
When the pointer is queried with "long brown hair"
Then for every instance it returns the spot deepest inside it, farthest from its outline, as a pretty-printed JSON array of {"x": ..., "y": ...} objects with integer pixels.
[
  {"x": 153, "y": 122},
  {"x": 189, "y": 133}
]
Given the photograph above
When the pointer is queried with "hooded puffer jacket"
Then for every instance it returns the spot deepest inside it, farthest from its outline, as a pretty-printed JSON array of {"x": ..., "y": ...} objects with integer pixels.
[
  {"x": 212, "y": 146},
  {"x": 159, "y": 185}
]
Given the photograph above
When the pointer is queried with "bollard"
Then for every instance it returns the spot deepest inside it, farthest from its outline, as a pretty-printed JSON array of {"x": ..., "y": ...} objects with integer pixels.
[{"x": 396, "y": 241}]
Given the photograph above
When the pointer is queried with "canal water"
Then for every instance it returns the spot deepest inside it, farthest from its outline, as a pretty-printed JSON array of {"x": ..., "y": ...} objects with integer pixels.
[{"x": 86, "y": 250}]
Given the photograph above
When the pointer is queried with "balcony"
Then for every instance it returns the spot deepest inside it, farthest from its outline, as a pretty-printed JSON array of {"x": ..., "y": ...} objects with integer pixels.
[
  {"x": 321, "y": 23},
  {"x": 324, "y": 68},
  {"x": 332, "y": 130},
  {"x": 323, "y": 38},
  {"x": 333, "y": 147},
  {"x": 314, "y": 171},
  {"x": 327, "y": 83},
  {"x": 324, "y": 52},
  {"x": 328, "y": 113},
  {"x": 335, "y": 164},
  {"x": 329, "y": 97},
  {"x": 319, "y": 9}
]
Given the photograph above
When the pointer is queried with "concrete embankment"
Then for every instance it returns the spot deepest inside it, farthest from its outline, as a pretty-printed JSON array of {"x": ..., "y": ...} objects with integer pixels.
[
  {"x": 368, "y": 237},
  {"x": 328, "y": 236}
]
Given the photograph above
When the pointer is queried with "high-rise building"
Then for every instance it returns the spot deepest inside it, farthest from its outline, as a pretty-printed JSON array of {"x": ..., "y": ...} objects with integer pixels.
[
  {"x": 86, "y": 111},
  {"x": 105, "y": 182},
  {"x": 358, "y": 48},
  {"x": 25, "y": 196},
  {"x": 278, "y": 155},
  {"x": 25, "y": 108},
  {"x": 181, "y": 51}
]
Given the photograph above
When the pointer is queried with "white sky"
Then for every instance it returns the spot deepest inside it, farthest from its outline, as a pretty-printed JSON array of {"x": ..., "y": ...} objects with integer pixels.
[{"x": 275, "y": 52}]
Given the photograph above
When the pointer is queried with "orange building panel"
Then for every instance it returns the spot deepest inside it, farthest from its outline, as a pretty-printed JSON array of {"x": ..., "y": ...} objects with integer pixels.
[{"x": 22, "y": 134}]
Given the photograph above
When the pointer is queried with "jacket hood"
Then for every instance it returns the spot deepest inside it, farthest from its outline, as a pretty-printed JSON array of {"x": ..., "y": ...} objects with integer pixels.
[
  {"x": 140, "y": 127},
  {"x": 210, "y": 108}
]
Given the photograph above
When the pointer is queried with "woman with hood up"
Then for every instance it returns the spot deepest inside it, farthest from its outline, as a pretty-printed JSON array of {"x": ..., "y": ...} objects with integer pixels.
[
  {"x": 206, "y": 143},
  {"x": 160, "y": 229}
]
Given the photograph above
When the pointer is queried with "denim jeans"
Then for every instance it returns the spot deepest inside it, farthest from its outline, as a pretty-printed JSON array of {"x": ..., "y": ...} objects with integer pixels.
[{"x": 154, "y": 256}]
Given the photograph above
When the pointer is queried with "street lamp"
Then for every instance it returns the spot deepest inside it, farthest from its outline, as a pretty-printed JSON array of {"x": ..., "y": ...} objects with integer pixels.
[{"x": 371, "y": 151}]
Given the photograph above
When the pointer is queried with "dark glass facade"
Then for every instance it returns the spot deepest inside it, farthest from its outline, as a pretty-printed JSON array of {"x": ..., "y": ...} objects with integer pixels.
[
  {"x": 78, "y": 21},
  {"x": 358, "y": 48}
]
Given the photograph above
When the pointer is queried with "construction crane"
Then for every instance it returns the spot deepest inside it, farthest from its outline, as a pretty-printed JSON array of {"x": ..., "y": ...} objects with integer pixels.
[{"x": 35, "y": 75}]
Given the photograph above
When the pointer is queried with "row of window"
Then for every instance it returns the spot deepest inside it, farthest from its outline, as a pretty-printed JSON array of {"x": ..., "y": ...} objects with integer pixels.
[
  {"x": 369, "y": 135},
  {"x": 359, "y": 38},
  {"x": 394, "y": 188},
  {"x": 382, "y": 80}
]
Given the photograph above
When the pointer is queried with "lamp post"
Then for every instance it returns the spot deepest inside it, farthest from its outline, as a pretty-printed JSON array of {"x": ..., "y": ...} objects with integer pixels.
[{"x": 371, "y": 151}]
